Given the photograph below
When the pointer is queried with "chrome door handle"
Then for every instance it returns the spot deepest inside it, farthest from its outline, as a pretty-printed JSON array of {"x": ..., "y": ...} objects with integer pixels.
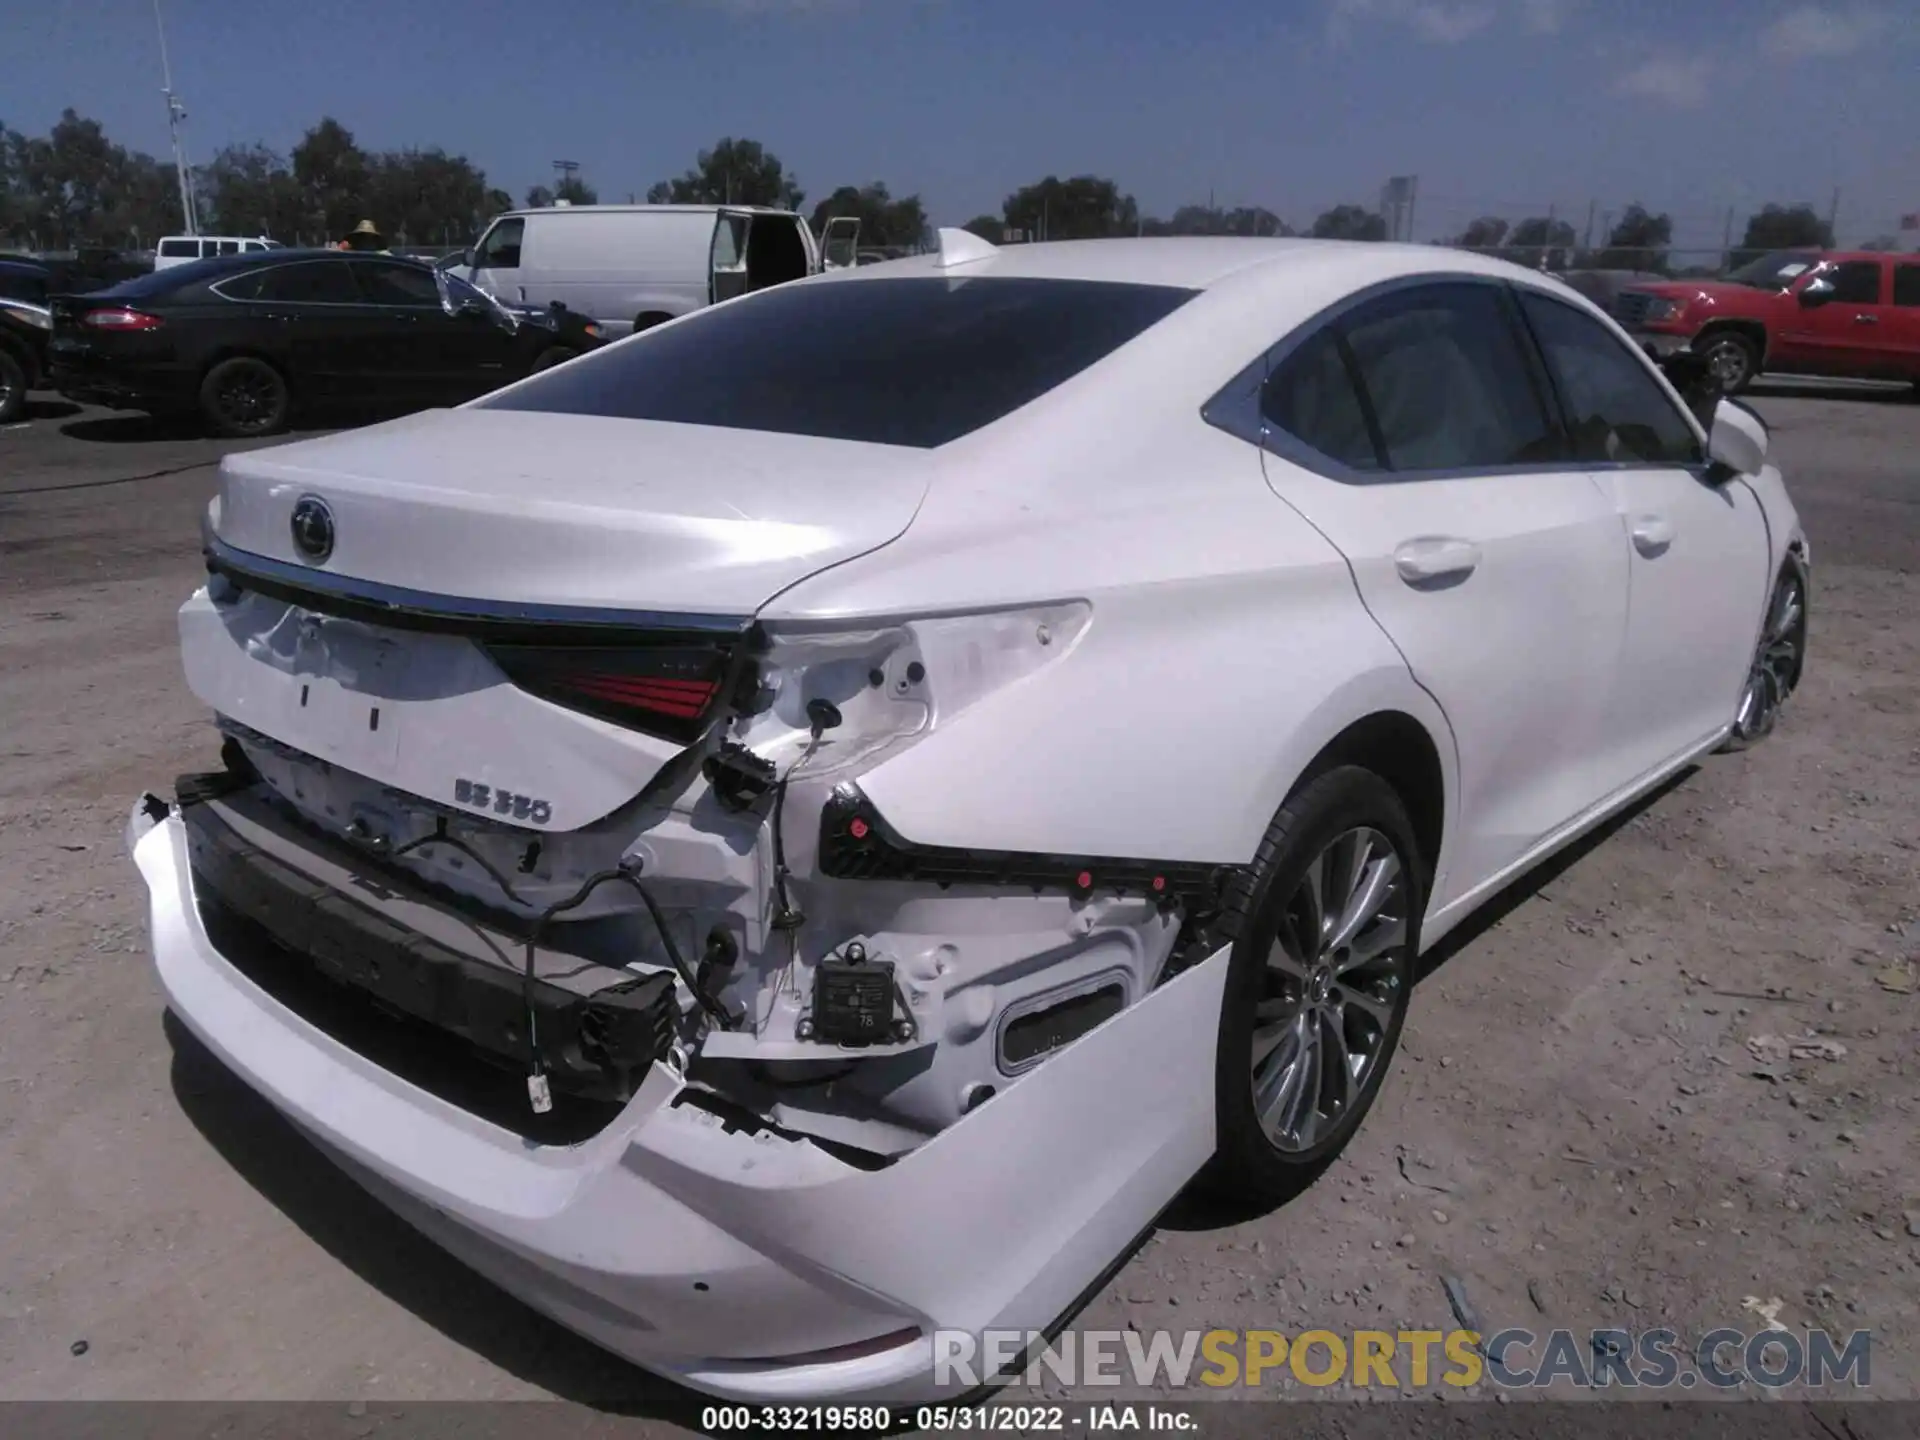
[
  {"x": 1435, "y": 558},
  {"x": 1652, "y": 534}
]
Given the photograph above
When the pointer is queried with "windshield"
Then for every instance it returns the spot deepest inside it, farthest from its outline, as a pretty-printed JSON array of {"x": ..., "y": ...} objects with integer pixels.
[
  {"x": 1775, "y": 271},
  {"x": 913, "y": 362}
]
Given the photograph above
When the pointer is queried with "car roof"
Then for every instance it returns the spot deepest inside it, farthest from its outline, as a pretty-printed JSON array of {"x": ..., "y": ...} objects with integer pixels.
[
  {"x": 26, "y": 267},
  {"x": 1201, "y": 262}
]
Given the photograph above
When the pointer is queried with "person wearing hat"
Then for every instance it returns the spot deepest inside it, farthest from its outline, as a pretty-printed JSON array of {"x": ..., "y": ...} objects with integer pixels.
[{"x": 365, "y": 236}]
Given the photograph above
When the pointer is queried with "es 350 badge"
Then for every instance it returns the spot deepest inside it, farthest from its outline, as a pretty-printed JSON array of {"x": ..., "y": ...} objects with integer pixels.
[{"x": 503, "y": 803}]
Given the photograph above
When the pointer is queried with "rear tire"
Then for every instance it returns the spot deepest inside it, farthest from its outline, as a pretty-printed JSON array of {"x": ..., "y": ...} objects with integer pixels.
[
  {"x": 547, "y": 359},
  {"x": 13, "y": 389},
  {"x": 1733, "y": 359},
  {"x": 1318, "y": 981},
  {"x": 245, "y": 397}
]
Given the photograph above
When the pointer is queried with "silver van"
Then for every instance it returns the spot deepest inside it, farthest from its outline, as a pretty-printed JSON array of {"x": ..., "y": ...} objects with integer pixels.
[{"x": 629, "y": 267}]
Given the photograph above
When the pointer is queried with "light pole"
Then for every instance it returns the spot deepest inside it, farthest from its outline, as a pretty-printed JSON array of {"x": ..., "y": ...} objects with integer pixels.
[{"x": 176, "y": 112}]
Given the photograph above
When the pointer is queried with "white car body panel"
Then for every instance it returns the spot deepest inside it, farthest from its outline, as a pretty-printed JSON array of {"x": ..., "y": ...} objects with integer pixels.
[{"x": 1099, "y": 626}]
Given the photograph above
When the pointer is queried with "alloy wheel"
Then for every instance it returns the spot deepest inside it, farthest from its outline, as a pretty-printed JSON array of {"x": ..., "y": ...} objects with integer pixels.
[
  {"x": 248, "y": 399},
  {"x": 1731, "y": 363},
  {"x": 1332, "y": 982},
  {"x": 1776, "y": 661}
]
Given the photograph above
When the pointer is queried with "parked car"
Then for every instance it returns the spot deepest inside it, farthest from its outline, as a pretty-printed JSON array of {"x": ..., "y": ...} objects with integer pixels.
[
  {"x": 1845, "y": 314},
  {"x": 631, "y": 267},
  {"x": 26, "y": 324},
  {"x": 912, "y": 766},
  {"x": 184, "y": 249},
  {"x": 247, "y": 340}
]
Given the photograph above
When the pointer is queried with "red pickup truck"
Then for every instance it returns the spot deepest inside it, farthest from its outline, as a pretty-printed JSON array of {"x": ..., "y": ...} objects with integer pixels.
[{"x": 1798, "y": 312}]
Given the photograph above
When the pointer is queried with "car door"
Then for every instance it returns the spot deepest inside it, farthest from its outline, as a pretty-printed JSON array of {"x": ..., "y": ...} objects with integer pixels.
[
  {"x": 433, "y": 357},
  {"x": 1415, "y": 432},
  {"x": 496, "y": 259},
  {"x": 327, "y": 332},
  {"x": 1697, "y": 546},
  {"x": 1902, "y": 333},
  {"x": 1841, "y": 336}
]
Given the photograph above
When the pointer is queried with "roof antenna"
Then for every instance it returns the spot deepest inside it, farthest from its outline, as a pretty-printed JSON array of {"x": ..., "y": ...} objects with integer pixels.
[{"x": 963, "y": 247}]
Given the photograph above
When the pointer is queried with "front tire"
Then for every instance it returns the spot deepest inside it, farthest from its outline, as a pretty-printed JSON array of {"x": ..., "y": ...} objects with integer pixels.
[
  {"x": 1733, "y": 359},
  {"x": 245, "y": 397},
  {"x": 1778, "y": 659},
  {"x": 1318, "y": 981}
]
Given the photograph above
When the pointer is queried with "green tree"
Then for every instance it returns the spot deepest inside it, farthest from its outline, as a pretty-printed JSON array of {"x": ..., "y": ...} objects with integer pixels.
[
  {"x": 883, "y": 219},
  {"x": 1638, "y": 242},
  {"x": 576, "y": 191},
  {"x": 331, "y": 171},
  {"x": 539, "y": 197},
  {"x": 1541, "y": 244},
  {"x": 75, "y": 187},
  {"x": 990, "y": 228},
  {"x": 248, "y": 190},
  {"x": 1782, "y": 227},
  {"x": 1485, "y": 233},
  {"x": 1087, "y": 207},
  {"x": 1349, "y": 222},
  {"x": 1251, "y": 220},
  {"x": 733, "y": 172}
]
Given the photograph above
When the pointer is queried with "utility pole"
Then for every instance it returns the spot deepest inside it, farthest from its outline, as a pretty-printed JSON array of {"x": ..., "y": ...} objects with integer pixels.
[
  {"x": 1586, "y": 241},
  {"x": 176, "y": 112}
]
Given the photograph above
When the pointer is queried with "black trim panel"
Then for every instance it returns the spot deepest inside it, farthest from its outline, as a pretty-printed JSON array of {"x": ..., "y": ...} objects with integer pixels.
[
  {"x": 500, "y": 622},
  {"x": 857, "y": 844}
]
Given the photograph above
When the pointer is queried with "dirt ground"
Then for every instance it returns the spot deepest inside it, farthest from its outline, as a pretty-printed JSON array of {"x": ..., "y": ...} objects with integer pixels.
[{"x": 1575, "y": 1130}]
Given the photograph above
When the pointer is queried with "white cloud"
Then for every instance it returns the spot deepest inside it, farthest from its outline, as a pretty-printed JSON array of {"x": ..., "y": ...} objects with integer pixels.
[
  {"x": 1445, "y": 22},
  {"x": 1816, "y": 32},
  {"x": 1547, "y": 17},
  {"x": 1680, "y": 83}
]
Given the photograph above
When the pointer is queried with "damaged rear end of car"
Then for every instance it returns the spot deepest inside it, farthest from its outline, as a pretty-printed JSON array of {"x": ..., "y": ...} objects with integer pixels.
[{"x": 542, "y": 891}]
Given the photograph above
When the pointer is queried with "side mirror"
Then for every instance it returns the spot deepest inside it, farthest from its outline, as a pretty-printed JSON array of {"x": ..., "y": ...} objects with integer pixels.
[
  {"x": 1816, "y": 292},
  {"x": 1737, "y": 440}
]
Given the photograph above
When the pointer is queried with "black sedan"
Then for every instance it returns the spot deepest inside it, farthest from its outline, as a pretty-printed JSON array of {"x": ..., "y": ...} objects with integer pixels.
[
  {"x": 247, "y": 340},
  {"x": 25, "y": 327}
]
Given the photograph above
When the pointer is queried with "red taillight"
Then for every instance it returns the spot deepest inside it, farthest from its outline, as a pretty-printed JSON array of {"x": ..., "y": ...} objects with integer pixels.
[
  {"x": 121, "y": 320},
  {"x": 666, "y": 691}
]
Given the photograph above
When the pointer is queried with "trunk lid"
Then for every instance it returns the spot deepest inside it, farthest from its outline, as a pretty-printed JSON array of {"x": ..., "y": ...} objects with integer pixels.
[
  {"x": 572, "y": 512},
  {"x": 522, "y": 617}
]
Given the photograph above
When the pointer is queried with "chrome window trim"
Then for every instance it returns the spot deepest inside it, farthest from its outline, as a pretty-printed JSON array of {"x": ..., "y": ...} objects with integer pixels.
[{"x": 1235, "y": 407}]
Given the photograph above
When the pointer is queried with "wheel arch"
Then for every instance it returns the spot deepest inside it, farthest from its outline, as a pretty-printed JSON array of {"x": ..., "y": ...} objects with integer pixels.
[
  {"x": 1401, "y": 751},
  {"x": 241, "y": 350}
]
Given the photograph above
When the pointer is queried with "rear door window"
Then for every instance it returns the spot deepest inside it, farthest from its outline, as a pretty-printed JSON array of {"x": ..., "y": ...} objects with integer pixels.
[
  {"x": 316, "y": 282},
  {"x": 1906, "y": 284},
  {"x": 1448, "y": 379},
  {"x": 180, "y": 249},
  {"x": 1311, "y": 396},
  {"x": 915, "y": 362}
]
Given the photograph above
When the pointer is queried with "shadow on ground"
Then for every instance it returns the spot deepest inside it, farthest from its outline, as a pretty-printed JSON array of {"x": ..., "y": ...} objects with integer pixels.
[
  {"x": 1871, "y": 392},
  {"x": 44, "y": 409},
  {"x": 406, "y": 1267}
]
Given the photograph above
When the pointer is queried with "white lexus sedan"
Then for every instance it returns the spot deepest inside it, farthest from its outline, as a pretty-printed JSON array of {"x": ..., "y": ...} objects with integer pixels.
[{"x": 810, "y": 826}]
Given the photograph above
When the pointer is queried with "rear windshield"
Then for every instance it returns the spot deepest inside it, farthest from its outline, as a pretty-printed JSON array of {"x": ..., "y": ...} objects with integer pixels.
[
  {"x": 914, "y": 362},
  {"x": 174, "y": 277}
]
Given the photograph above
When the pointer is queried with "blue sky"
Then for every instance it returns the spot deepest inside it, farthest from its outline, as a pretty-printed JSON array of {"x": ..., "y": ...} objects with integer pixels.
[{"x": 1500, "y": 106}]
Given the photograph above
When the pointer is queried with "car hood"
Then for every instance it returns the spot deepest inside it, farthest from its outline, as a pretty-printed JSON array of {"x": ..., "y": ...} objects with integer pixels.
[{"x": 582, "y": 512}]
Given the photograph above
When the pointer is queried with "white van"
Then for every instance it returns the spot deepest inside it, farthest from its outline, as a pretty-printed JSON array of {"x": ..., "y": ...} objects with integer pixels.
[
  {"x": 179, "y": 249},
  {"x": 629, "y": 267}
]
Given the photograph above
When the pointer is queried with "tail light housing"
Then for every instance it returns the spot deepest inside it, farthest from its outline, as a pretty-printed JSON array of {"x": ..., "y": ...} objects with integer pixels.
[
  {"x": 121, "y": 319},
  {"x": 668, "y": 691}
]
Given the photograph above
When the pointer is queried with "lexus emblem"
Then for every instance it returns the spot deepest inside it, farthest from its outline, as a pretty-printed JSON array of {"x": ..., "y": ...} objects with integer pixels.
[{"x": 312, "y": 526}]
